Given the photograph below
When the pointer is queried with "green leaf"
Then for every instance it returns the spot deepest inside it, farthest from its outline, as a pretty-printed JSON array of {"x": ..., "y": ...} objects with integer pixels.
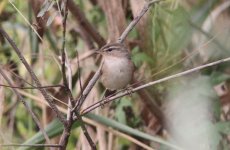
[
  {"x": 140, "y": 57},
  {"x": 123, "y": 128},
  {"x": 223, "y": 127},
  {"x": 56, "y": 128},
  {"x": 219, "y": 77},
  {"x": 21, "y": 128},
  {"x": 53, "y": 129},
  {"x": 119, "y": 112},
  {"x": 47, "y": 5}
]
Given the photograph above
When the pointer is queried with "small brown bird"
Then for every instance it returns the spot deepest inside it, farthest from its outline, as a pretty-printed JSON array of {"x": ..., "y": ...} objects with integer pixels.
[{"x": 117, "y": 68}]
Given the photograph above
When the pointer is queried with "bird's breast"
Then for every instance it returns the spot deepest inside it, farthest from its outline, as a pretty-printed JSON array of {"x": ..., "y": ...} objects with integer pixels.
[{"x": 116, "y": 72}]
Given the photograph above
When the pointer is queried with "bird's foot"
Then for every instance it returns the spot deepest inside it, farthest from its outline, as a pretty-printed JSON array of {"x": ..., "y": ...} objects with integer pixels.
[
  {"x": 103, "y": 102},
  {"x": 129, "y": 90}
]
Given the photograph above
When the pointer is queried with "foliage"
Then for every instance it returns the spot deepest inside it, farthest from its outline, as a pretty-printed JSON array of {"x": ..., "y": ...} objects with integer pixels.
[{"x": 182, "y": 36}]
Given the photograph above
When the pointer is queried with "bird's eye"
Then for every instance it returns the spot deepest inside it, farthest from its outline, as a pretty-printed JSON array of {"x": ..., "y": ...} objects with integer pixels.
[{"x": 109, "y": 49}]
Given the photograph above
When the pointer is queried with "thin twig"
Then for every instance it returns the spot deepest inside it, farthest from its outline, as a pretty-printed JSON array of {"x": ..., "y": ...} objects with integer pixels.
[
  {"x": 84, "y": 56},
  {"x": 82, "y": 124},
  {"x": 19, "y": 87},
  {"x": 80, "y": 102},
  {"x": 63, "y": 54},
  {"x": 120, "y": 39},
  {"x": 30, "y": 145},
  {"x": 68, "y": 126},
  {"x": 118, "y": 133},
  {"x": 31, "y": 26},
  {"x": 104, "y": 101},
  {"x": 79, "y": 73},
  {"x": 193, "y": 52},
  {"x": 36, "y": 120},
  {"x": 33, "y": 76},
  {"x": 88, "y": 88},
  {"x": 96, "y": 76},
  {"x": 136, "y": 20},
  {"x": 85, "y": 24}
]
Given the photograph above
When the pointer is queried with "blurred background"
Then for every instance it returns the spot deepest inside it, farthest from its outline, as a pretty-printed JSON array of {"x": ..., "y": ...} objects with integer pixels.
[{"x": 189, "y": 112}]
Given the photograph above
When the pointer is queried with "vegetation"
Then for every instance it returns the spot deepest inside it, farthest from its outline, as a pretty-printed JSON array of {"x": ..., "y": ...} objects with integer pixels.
[{"x": 179, "y": 96}]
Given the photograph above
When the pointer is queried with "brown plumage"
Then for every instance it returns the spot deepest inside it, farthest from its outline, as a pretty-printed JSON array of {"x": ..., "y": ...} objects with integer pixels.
[{"x": 117, "y": 67}]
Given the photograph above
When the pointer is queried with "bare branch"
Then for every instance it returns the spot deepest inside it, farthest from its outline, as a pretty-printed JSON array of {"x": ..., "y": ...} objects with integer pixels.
[
  {"x": 30, "y": 145},
  {"x": 136, "y": 20},
  {"x": 19, "y": 87},
  {"x": 97, "y": 75},
  {"x": 79, "y": 73},
  {"x": 69, "y": 122},
  {"x": 121, "y": 39},
  {"x": 36, "y": 120},
  {"x": 88, "y": 88},
  {"x": 31, "y": 26},
  {"x": 68, "y": 126},
  {"x": 85, "y": 24},
  {"x": 104, "y": 101},
  {"x": 63, "y": 54},
  {"x": 34, "y": 77}
]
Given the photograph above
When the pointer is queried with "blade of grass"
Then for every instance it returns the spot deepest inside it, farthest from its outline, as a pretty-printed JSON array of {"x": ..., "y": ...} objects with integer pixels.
[
  {"x": 124, "y": 128},
  {"x": 55, "y": 128}
]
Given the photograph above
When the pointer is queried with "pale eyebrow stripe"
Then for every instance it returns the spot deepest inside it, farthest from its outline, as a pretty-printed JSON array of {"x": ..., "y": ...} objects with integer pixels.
[{"x": 112, "y": 47}]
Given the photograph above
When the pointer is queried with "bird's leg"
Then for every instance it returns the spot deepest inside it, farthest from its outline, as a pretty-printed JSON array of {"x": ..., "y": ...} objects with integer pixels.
[
  {"x": 104, "y": 98},
  {"x": 129, "y": 90},
  {"x": 107, "y": 94},
  {"x": 103, "y": 102}
]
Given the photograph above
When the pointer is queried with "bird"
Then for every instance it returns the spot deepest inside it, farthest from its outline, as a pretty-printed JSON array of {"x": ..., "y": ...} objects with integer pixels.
[{"x": 117, "y": 67}]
